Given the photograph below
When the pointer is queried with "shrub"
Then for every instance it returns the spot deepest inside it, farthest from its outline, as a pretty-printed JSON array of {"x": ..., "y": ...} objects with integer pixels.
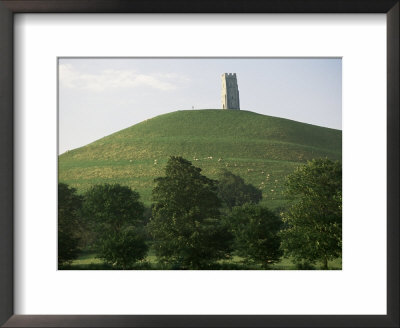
[
  {"x": 186, "y": 226},
  {"x": 116, "y": 215},
  {"x": 255, "y": 229}
]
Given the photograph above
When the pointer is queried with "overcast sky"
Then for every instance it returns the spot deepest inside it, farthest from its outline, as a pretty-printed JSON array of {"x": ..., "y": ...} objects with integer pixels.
[{"x": 98, "y": 97}]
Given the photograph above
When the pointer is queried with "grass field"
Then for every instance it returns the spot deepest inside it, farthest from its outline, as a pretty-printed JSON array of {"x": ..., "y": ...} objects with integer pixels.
[
  {"x": 88, "y": 261},
  {"x": 261, "y": 149}
]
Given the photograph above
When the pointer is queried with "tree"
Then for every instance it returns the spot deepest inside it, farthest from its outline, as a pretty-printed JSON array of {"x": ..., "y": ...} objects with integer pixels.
[
  {"x": 233, "y": 191},
  {"x": 185, "y": 223},
  {"x": 255, "y": 229},
  {"x": 116, "y": 215},
  {"x": 69, "y": 207},
  {"x": 314, "y": 223}
]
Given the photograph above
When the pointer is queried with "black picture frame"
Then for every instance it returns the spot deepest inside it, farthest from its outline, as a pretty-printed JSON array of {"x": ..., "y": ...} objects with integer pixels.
[{"x": 10, "y": 7}]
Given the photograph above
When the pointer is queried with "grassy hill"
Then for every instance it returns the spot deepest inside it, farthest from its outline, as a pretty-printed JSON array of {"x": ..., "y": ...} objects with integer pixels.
[{"x": 261, "y": 149}]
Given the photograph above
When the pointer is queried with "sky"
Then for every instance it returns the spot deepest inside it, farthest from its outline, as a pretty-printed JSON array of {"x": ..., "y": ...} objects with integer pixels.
[{"x": 100, "y": 96}]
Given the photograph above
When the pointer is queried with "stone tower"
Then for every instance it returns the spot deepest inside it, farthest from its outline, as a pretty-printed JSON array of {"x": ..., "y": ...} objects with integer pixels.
[{"x": 230, "y": 91}]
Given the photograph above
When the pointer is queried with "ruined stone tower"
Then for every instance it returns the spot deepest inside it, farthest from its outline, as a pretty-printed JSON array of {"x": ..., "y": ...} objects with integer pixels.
[{"x": 230, "y": 91}]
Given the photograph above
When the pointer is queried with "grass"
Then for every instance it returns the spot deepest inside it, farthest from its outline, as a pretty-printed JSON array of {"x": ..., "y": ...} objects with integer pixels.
[
  {"x": 261, "y": 149},
  {"x": 88, "y": 261}
]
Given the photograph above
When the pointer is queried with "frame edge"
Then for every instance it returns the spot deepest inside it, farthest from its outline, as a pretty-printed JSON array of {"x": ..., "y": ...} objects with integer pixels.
[
  {"x": 6, "y": 205},
  {"x": 6, "y": 164},
  {"x": 393, "y": 167}
]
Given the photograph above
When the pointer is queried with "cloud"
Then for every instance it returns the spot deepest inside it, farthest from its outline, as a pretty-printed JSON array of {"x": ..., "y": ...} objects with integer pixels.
[{"x": 116, "y": 79}]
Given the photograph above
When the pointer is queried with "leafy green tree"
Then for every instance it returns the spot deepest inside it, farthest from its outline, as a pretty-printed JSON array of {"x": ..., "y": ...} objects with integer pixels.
[
  {"x": 313, "y": 225},
  {"x": 69, "y": 207},
  {"x": 233, "y": 191},
  {"x": 116, "y": 215},
  {"x": 186, "y": 224},
  {"x": 256, "y": 232}
]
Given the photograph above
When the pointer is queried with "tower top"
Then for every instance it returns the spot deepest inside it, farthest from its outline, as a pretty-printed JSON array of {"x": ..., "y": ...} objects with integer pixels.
[{"x": 228, "y": 75}]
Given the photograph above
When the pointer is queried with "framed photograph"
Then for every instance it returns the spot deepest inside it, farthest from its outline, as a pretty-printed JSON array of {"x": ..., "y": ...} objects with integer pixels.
[
  {"x": 207, "y": 178},
  {"x": 184, "y": 164}
]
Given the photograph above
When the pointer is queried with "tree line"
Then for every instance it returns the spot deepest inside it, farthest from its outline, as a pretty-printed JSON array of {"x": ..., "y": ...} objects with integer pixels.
[{"x": 194, "y": 221}]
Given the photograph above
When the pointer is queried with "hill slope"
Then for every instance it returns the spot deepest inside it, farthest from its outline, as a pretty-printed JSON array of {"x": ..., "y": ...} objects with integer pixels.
[{"x": 262, "y": 149}]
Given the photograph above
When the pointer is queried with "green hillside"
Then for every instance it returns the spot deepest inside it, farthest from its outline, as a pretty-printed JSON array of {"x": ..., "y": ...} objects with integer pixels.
[{"x": 262, "y": 149}]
